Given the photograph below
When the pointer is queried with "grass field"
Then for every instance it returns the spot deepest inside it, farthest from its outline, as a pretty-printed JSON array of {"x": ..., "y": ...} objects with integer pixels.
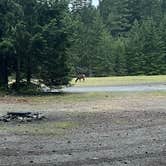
[
  {"x": 70, "y": 102},
  {"x": 40, "y": 128},
  {"x": 81, "y": 128},
  {"x": 73, "y": 104},
  {"x": 126, "y": 80},
  {"x": 94, "y": 96}
]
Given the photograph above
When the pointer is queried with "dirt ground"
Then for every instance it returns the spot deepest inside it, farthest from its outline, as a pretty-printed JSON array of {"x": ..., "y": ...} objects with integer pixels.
[{"x": 124, "y": 130}]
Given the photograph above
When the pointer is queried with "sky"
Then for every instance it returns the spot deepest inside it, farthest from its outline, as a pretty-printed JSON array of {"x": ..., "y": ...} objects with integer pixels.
[{"x": 95, "y": 2}]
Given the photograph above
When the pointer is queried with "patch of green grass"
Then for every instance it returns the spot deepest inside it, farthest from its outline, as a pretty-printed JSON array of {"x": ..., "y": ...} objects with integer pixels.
[
  {"x": 94, "y": 96},
  {"x": 42, "y": 128},
  {"x": 72, "y": 97},
  {"x": 126, "y": 80}
]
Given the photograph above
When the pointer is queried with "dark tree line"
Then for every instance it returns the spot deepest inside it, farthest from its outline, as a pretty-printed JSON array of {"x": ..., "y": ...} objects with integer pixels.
[
  {"x": 34, "y": 37},
  {"x": 47, "y": 41}
]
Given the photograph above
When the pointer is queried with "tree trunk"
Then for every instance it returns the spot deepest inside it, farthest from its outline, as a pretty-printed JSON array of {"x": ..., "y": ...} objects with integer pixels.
[
  {"x": 29, "y": 72},
  {"x": 4, "y": 72},
  {"x": 18, "y": 67},
  {"x": 1, "y": 73}
]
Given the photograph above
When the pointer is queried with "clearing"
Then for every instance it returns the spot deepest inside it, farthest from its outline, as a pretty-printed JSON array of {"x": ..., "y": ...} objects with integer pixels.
[{"x": 87, "y": 129}]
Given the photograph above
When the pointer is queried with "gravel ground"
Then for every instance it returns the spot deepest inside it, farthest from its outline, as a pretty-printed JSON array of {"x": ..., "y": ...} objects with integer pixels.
[{"x": 122, "y": 131}]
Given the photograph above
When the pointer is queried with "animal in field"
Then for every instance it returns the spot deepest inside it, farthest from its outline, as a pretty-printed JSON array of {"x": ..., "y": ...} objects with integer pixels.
[{"x": 80, "y": 77}]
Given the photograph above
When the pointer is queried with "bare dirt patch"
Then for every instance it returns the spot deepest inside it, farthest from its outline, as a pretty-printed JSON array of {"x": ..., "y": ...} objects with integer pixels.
[
  {"x": 11, "y": 100},
  {"x": 115, "y": 130}
]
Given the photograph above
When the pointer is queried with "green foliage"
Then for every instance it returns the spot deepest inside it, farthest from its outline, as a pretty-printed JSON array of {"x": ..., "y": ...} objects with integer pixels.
[
  {"x": 25, "y": 89},
  {"x": 45, "y": 40},
  {"x": 116, "y": 15},
  {"x": 120, "y": 59},
  {"x": 121, "y": 37},
  {"x": 146, "y": 49},
  {"x": 56, "y": 57},
  {"x": 39, "y": 34},
  {"x": 6, "y": 51}
]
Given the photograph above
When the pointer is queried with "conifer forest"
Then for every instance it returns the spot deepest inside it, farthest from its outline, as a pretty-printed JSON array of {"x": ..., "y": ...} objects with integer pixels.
[{"x": 53, "y": 41}]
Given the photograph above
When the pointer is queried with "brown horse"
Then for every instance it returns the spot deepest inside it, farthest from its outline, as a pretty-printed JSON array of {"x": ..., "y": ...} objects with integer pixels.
[{"x": 80, "y": 77}]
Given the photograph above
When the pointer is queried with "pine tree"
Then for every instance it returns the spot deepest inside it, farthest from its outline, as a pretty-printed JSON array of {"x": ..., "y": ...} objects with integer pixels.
[
  {"x": 120, "y": 58},
  {"x": 135, "y": 7},
  {"x": 6, "y": 56},
  {"x": 146, "y": 50},
  {"x": 116, "y": 15},
  {"x": 162, "y": 35},
  {"x": 10, "y": 13},
  {"x": 87, "y": 57},
  {"x": 152, "y": 9},
  {"x": 163, "y": 6},
  {"x": 134, "y": 54}
]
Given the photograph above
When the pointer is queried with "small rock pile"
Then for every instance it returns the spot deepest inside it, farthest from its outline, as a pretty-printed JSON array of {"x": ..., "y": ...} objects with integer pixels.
[{"x": 21, "y": 116}]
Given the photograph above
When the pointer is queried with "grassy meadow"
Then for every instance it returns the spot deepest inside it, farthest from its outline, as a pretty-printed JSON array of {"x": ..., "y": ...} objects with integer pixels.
[
  {"x": 125, "y": 80},
  {"x": 77, "y": 102}
]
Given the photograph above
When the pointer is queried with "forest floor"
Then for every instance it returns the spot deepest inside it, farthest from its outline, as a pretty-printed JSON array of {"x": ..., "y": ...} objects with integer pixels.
[{"x": 91, "y": 129}]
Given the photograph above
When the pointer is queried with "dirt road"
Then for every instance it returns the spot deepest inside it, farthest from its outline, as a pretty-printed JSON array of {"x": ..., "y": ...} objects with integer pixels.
[
  {"x": 122, "y": 88},
  {"x": 120, "y": 131}
]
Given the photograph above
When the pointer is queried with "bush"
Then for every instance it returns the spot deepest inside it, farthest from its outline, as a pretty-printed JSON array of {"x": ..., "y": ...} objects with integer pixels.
[{"x": 24, "y": 88}]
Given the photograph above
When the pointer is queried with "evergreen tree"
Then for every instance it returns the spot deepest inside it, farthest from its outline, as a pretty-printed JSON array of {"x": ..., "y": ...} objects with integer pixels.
[
  {"x": 105, "y": 58},
  {"x": 120, "y": 58},
  {"x": 6, "y": 56},
  {"x": 87, "y": 57},
  {"x": 134, "y": 54},
  {"x": 146, "y": 53},
  {"x": 116, "y": 15},
  {"x": 163, "y": 6},
  {"x": 55, "y": 69},
  {"x": 44, "y": 39},
  {"x": 152, "y": 9},
  {"x": 10, "y": 13}
]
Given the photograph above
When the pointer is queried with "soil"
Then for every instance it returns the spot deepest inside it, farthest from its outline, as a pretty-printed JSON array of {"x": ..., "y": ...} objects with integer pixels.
[{"x": 121, "y": 131}]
